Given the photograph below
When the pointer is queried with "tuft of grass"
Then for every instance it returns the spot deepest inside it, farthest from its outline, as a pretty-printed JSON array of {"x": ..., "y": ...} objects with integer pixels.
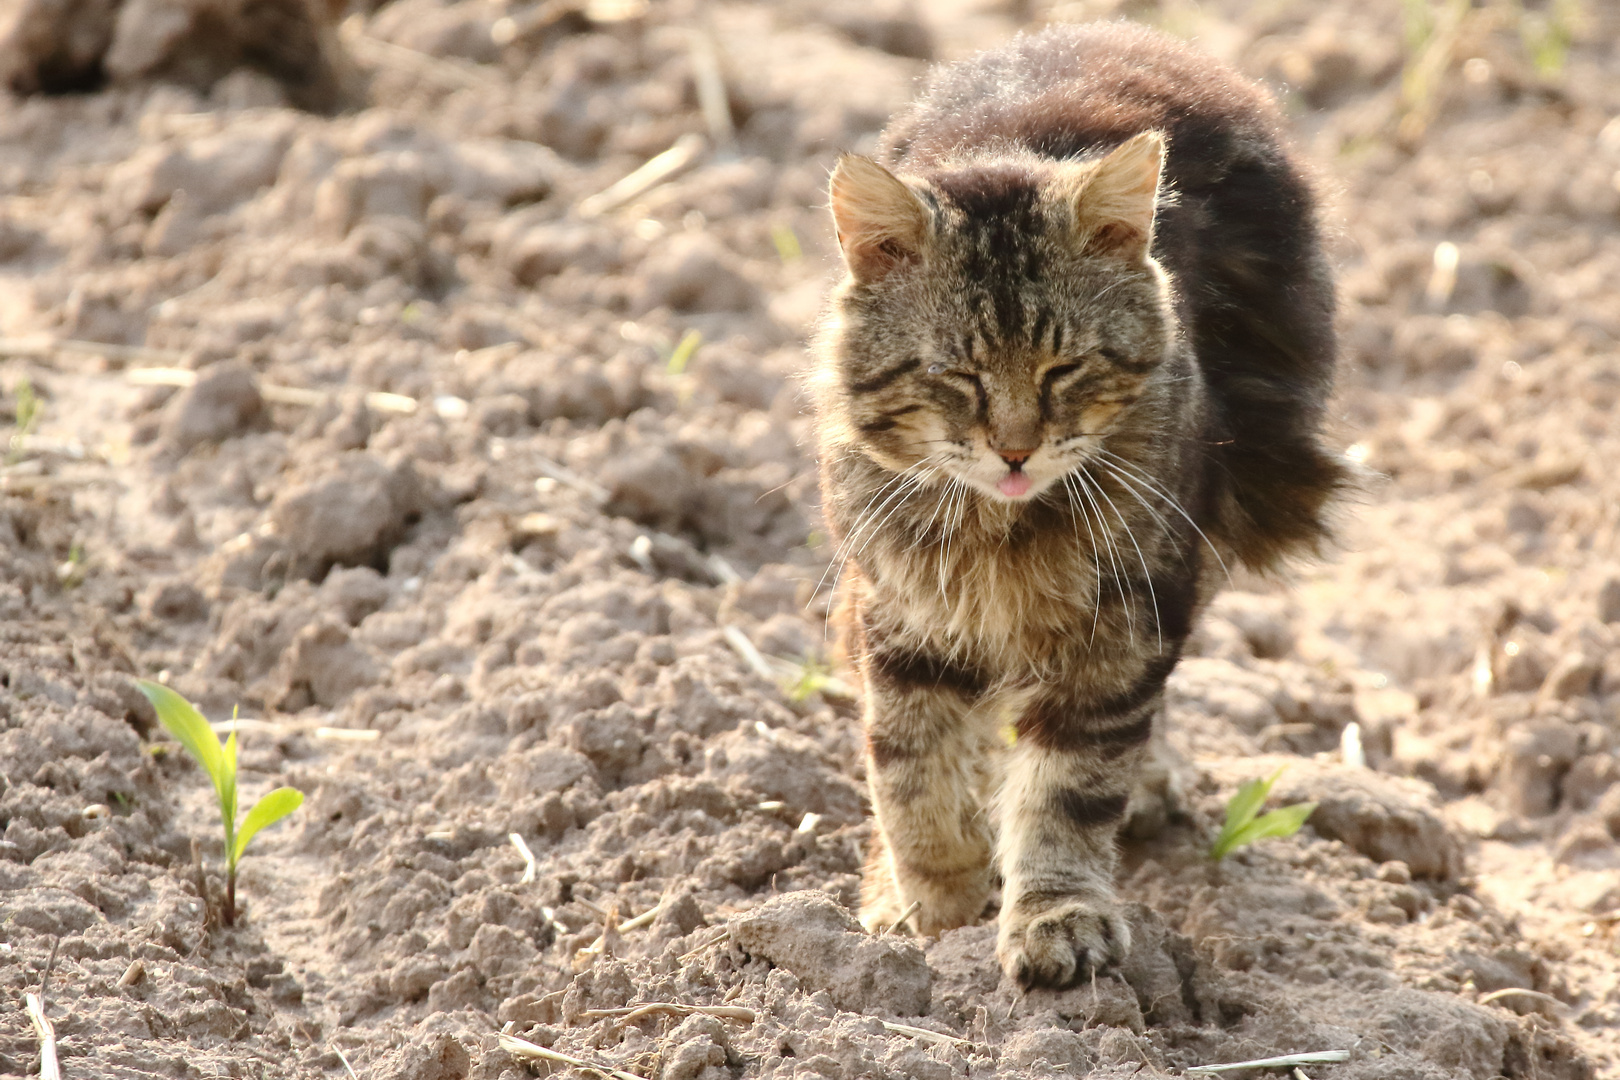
[
  {"x": 1243, "y": 827},
  {"x": 218, "y": 760}
]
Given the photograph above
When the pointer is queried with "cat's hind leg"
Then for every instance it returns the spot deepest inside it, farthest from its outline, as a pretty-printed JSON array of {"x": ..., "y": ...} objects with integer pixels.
[{"x": 925, "y": 767}]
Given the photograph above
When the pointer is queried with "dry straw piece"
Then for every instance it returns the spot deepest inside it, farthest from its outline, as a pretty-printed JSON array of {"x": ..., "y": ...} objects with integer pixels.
[
  {"x": 632, "y": 1013},
  {"x": 528, "y": 1051},
  {"x": 48, "y": 1069},
  {"x": 1318, "y": 1057},
  {"x": 935, "y": 1037}
]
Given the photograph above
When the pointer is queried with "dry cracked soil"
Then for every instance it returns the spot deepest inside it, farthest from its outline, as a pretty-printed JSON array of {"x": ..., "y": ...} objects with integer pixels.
[{"x": 344, "y": 384}]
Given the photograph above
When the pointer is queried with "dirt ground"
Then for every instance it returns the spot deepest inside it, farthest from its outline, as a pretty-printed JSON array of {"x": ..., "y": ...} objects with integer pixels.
[{"x": 335, "y": 388}]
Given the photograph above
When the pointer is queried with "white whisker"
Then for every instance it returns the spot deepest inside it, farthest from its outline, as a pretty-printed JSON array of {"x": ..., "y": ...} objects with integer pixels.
[
  {"x": 1096, "y": 591},
  {"x": 1147, "y": 575},
  {"x": 898, "y": 482},
  {"x": 1113, "y": 549},
  {"x": 1170, "y": 500}
]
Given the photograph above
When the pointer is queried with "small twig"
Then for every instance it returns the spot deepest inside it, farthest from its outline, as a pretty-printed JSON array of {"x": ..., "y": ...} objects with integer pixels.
[
  {"x": 686, "y": 150},
  {"x": 595, "y": 909},
  {"x": 749, "y": 652},
  {"x": 530, "y": 866},
  {"x": 275, "y": 393},
  {"x": 564, "y": 475},
  {"x": 44, "y": 345},
  {"x": 1299, "y": 1074},
  {"x": 50, "y": 965},
  {"x": 924, "y": 1034},
  {"x": 338, "y": 1050},
  {"x": 347, "y": 734},
  {"x": 916, "y": 906},
  {"x": 634, "y": 1012},
  {"x": 614, "y": 927},
  {"x": 528, "y": 1051},
  {"x": 721, "y": 933},
  {"x": 1319, "y": 1057},
  {"x": 48, "y": 1069},
  {"x": 603, "y": 943},
  {"x": 1514, "y": 991},
  {"x": 247, "y": 725},
  {"x": 711, "y": 87},
  {"x": 723, "y": 571},
  {"x": 644, "y": 919},
  {"x": 375, "y": 51}
]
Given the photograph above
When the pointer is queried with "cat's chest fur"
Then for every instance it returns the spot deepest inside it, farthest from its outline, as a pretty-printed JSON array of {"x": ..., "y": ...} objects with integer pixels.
[{"x": 1016, "y": 595}]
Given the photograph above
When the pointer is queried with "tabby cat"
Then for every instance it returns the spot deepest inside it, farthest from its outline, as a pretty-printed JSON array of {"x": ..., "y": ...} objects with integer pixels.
[{"x": 1076, "y": 370}]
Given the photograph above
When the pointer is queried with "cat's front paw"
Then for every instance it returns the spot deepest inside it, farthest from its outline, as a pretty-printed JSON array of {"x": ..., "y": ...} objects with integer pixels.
[{"x": 1061, "y": 941}]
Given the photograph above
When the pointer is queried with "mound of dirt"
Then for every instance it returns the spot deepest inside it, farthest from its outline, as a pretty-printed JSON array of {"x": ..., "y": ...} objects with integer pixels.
[{"x": 60, "y": 46}]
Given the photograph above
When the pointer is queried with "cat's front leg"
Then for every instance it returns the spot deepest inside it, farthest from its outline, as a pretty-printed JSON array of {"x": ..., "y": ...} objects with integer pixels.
[
  {"x": 925, "y": 768},
  {"x": 1067, "y": 784}
]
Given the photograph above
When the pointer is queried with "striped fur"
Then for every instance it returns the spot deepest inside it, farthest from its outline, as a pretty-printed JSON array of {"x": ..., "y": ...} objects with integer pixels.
[{"x": 1062, "y": 386}]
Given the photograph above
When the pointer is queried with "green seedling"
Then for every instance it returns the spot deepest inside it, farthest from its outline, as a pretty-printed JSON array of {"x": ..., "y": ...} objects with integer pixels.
[
  {"x": 684, "y": 350},
  {"x": 811, "y": 676},
  {"x": 187, "y": 725},
  {"x": 1547, "y": 35},
  {"x": 787, "y": 244},
  {"x": 1242, "y": 827},
  {"x": 71, "y": 572},
  {"x": 27, "y": 418}
]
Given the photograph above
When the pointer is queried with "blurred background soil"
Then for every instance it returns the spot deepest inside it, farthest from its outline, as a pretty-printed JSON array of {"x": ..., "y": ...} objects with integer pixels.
[{"x": 345, "y": 378}]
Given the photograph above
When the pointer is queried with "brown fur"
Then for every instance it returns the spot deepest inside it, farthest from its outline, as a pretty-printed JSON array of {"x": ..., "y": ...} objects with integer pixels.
[{"x": 1021, "y": 451}]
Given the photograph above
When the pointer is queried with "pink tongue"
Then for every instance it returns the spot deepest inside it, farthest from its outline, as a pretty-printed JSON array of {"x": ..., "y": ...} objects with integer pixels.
[{"x": 1013, "y": 484}]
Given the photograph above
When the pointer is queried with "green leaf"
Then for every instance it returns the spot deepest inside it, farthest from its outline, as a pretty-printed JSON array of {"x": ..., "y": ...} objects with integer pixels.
[
  {"x": 684, "y": 351},
  {"x": 188, "y": 725},
  {"x": 1242, "y": 827},
  {"x": 1250, "y": 797},
  {"x": 1284, "y": 822},
  {"x": 267, "y": 811}
]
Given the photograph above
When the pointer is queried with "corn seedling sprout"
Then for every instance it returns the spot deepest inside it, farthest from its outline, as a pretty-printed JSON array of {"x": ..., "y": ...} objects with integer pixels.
[
  {"x": 683, "y": 352},
  {"x": 1243, "y": 827},
  {"x": 806, "y": 678},
  {"x": 218, "y": 760},
  {"x": 27, "y": 418}
]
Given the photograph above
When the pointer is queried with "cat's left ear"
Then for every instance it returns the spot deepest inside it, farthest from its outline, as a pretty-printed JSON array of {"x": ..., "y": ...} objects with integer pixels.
[
  {"x": 1114, "y": 200},
  {"x": 881, "y": 223}
]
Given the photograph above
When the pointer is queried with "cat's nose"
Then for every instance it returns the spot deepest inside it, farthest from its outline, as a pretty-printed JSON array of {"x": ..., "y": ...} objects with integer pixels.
[{"x": 1014, "y": 442}]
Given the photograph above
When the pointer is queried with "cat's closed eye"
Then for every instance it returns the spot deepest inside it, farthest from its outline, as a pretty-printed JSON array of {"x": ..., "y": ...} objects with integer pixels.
[
  {"x": 1053, "y": 374},
  {"x": 955, "y": 373}
]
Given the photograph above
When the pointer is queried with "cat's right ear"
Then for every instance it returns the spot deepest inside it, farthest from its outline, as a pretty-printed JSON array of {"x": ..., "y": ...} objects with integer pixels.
[{"x": 881, "y": 223}]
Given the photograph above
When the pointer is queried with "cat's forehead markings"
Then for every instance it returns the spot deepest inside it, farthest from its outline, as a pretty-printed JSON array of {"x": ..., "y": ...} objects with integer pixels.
[{"x": 1038, "y": 330}]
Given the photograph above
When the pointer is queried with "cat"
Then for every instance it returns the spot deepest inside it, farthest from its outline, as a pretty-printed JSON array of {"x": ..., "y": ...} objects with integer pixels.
[{"x": 1076, "y": 372}]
